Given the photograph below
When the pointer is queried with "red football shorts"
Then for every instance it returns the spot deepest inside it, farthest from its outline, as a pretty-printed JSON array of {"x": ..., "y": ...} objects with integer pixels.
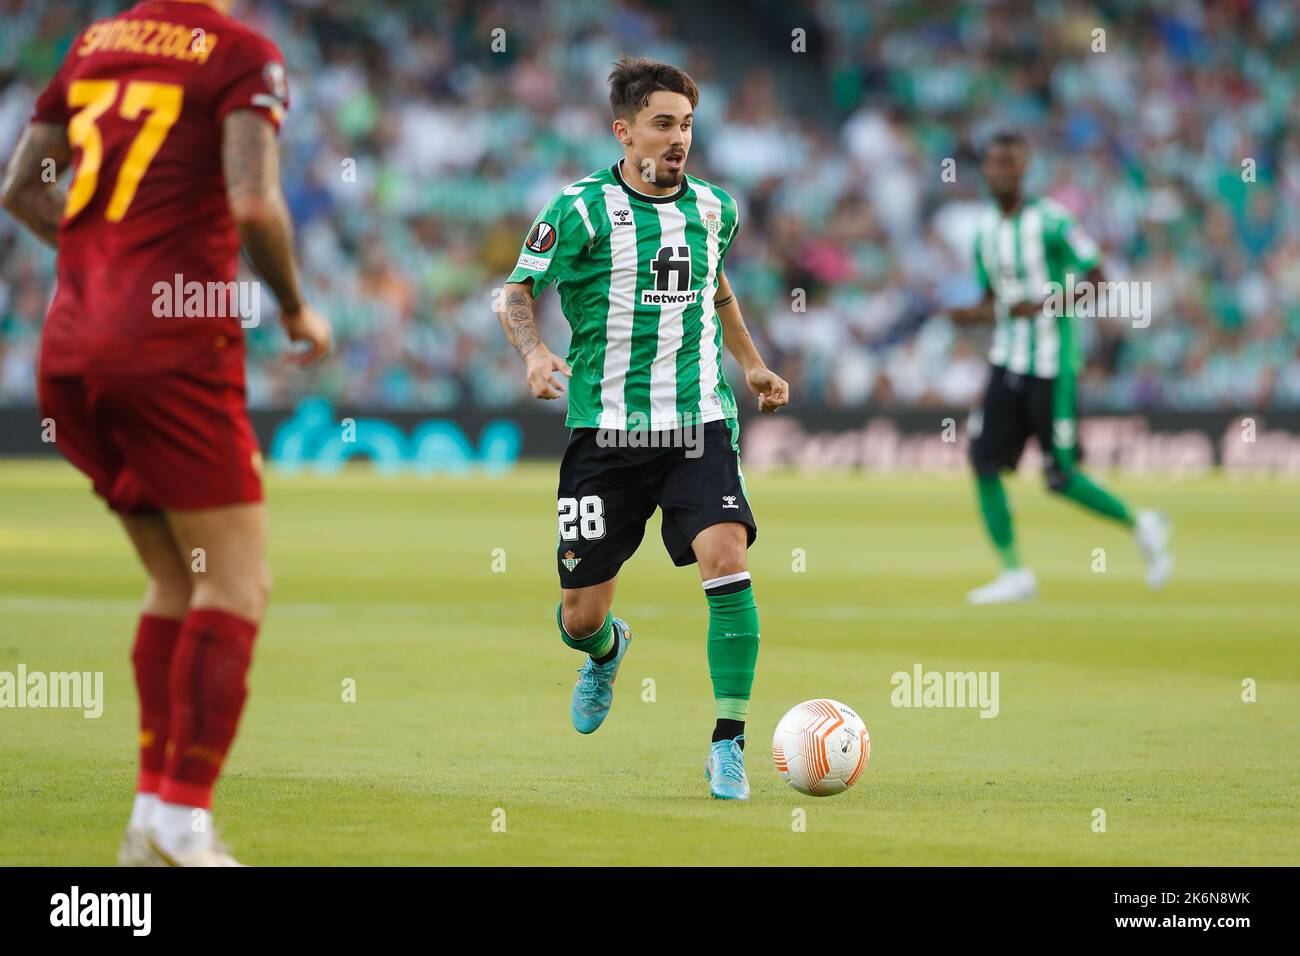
[{"x": 170, "y": 441}]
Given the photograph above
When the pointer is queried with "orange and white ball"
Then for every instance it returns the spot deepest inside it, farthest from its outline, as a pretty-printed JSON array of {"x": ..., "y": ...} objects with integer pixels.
[{"x": 821, "y": 747}]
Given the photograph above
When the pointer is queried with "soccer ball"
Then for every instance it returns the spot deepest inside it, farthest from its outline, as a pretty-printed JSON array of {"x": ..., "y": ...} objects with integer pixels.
[{"x": 821, "y": 747}]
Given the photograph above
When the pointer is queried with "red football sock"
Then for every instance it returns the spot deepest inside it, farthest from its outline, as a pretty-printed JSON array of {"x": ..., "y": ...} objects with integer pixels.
[
  {"x": 155, "y": 640},
  {"x": 208, "y": 689}
]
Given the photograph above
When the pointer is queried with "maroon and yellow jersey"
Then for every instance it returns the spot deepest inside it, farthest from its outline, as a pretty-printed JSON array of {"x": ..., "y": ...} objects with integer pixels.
[{"x": 143, "y": 96}]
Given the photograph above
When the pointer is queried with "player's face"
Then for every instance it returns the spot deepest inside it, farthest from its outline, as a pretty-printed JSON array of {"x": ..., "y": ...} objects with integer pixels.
[
  {"x": 1004, "y": 167},
  {"x": 661, "y": 138}
]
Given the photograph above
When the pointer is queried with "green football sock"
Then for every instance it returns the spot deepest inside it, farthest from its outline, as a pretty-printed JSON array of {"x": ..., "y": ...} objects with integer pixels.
[
  {"x": 997, "y": 518},
  {"x": 733, "y": 650},
  {"x": 597, "y": 644},
  {"x": 1092, "y": 496}
]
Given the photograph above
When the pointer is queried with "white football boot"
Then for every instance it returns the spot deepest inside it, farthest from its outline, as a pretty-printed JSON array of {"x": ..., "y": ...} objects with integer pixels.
[
  {"x": 1153, "y": 533},
  {"x": 183, "y": 836},
  {"x": 1007, "y": 587},
  {"x": 212, "y": 855},
  {"x": 136, "y": 850}
]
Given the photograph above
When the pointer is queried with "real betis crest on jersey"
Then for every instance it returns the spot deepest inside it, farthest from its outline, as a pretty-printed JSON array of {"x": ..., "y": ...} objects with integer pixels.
[
  {"x": 637, "y": 276},
  {"x": 1018, "y": 257}
]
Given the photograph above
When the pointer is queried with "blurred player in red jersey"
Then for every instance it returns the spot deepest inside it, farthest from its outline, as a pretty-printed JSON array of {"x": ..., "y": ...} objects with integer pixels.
[{"x": 171, "y": 110}]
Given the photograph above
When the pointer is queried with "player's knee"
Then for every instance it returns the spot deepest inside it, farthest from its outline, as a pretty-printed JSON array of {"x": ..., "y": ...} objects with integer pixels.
[
  {"x": 254, "y": 592},
  {"x": 262, "y": 588},
  {"x": 583, "y": 621},
  {"x": 731, "y": 558},
  {"x": 245, "y": 595},
  {"x": 168, "y": 595},
  {"x": 983, "y": 463},
  {"x": 1056, "y": 477}
]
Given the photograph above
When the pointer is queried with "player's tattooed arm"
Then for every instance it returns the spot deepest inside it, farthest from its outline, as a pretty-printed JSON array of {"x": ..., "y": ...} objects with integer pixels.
[
  {"x": 30, "y": 192},
  {"x": 772, "y": 390},
  {"x": 520, "y": 326},
  {"x": 517, "y": 318},
  {"x": 250, "y": 162}
]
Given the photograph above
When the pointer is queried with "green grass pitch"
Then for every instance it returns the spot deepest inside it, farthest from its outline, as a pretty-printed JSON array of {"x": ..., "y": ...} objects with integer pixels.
[{"x": 1112, "y": 698}]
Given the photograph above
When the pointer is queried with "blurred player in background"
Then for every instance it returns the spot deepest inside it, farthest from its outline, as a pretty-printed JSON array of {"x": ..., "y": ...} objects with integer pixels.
[
  {"x": 636, "y": 253},
  {"x": 1023, "y": 245},
  {"x": 171, "y": 110}
]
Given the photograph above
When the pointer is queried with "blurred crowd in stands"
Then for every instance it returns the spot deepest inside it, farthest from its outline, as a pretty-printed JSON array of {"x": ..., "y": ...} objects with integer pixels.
[{"x": 420, "y": 144}]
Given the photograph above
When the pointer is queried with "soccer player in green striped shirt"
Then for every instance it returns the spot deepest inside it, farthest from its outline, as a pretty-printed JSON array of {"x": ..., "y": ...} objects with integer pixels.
[
  {"x": 1026, "y": 249},
  {"x": 635, "y": 251}
]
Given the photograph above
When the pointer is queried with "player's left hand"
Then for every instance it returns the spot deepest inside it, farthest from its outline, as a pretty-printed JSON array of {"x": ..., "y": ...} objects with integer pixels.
[
  {"x": 307, "y": 325},
  {"x": 772, "y": 390}
]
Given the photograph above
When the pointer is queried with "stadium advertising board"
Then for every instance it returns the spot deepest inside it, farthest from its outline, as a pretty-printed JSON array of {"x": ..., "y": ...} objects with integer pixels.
[{"x": 315, "y": 436}]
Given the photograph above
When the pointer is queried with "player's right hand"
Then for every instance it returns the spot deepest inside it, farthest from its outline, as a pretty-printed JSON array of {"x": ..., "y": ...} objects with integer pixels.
[
  {"x": 307, "y": 325},
  {"x": 541, "y": 363}
]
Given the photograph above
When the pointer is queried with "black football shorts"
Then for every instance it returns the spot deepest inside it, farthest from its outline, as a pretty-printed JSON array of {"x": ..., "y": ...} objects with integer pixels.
[
  {"x": 611, "y": 481},
  {"x": 1017, "y": 408}
]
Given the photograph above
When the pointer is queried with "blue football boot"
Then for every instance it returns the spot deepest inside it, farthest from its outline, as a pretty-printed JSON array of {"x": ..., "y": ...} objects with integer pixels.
[
  {"x": 725, "y": 770},
  {"x": 594, "y": 691}
]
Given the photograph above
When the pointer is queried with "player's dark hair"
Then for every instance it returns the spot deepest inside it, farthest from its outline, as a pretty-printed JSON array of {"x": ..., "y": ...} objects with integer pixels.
[
  {"x": 634, "y": 78},
  {"x": 1004, "y": 137}
]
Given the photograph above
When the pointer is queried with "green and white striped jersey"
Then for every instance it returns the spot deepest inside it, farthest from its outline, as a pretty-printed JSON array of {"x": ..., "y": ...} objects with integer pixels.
[
  {"x": 1016, "y": 257},
  {"x": 637, "y": 276}
]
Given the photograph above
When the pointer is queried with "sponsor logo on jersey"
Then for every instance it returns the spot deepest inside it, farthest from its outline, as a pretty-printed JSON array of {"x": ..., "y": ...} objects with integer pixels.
[
  {"x": 622, "y": 217},
  {"x": 569, "y": 561},
  {"x": 729, "y": 501},
  {"x": 671, "y": 269},
  {"x": 655, "y": 297},
  {"x": 532, "y": 263},
  {"x": 542, "y": 238}
]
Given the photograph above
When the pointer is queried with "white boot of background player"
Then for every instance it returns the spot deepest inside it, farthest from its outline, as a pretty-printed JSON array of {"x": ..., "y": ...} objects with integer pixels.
[
  {"x": 1153, "y": 532},
  {"x": 1011, "y": 585}
]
